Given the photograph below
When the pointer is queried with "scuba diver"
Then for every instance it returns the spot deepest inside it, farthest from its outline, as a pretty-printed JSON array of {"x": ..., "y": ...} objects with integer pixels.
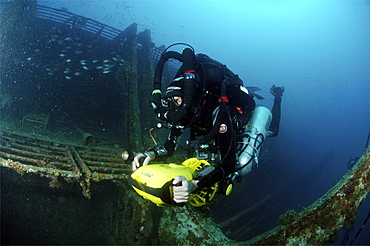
[{"x": 226, "y": 127}]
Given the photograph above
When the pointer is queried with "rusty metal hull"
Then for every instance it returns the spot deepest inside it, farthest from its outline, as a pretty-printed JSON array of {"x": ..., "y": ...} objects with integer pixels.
[
  {"x": 316, "y": 224},
  {"x": 55, "y": 160}
]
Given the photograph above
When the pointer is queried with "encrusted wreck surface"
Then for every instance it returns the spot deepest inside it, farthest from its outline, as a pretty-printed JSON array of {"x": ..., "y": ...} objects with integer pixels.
[
  {"x": 110, "y": 212},
  {"x": 83, "y": 191},
  {"x": 186, "y": 226},
  {"x": 318, "y": 223}
]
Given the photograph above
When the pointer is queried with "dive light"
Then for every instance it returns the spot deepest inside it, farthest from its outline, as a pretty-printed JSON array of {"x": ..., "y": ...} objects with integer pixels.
[{"x": 128, "y": 156}]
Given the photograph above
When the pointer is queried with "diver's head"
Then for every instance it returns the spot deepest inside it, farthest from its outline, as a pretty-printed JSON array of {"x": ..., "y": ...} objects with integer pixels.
[
  {"x": 178, "y": 105},
  {"x": 174, "y": 94}
]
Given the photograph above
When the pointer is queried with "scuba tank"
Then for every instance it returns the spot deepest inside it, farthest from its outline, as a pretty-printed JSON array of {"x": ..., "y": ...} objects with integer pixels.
[{"x": 250, "y": 141}]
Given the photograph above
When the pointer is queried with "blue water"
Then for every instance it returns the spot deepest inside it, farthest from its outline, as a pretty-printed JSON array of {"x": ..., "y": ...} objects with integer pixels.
[{"x": 318, "y": 50}]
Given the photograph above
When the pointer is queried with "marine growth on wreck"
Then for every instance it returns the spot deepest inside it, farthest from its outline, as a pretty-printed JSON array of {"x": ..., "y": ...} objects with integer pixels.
[{"x": 64, "y": 183}]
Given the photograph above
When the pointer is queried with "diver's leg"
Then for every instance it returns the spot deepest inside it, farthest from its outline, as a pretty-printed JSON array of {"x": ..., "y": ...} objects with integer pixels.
[{"x": 276, "y": 110}]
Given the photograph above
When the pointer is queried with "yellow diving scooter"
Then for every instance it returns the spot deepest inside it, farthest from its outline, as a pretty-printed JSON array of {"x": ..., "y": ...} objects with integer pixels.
[{"x": 154, "y": 182}]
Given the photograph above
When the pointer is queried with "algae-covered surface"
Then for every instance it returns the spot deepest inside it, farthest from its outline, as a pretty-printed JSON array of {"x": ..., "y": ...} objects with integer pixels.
[{"x": 319, "y": 223}]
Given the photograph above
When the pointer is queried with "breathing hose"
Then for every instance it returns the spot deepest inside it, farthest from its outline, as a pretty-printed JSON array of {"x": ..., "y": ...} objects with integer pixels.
[
  {"x": 189, "y": 63},
  {"x": 157, "y": 84}
]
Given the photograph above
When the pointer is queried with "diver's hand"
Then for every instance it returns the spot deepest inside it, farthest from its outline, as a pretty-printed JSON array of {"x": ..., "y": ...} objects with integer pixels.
[
  {"x": 138, "y": 160},
  {"x": 182, "y": 193}
]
